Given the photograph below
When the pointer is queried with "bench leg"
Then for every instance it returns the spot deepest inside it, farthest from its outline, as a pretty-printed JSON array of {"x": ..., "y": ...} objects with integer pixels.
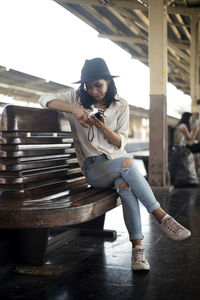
[
  {"x": 30, "y": 246},
  {"x": 5, "y": 253},
  {"x": 95, "y": 228}
]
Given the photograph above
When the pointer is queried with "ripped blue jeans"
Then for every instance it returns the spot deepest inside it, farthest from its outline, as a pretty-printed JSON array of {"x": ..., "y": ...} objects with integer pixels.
[{"x": 103, "y": 173}]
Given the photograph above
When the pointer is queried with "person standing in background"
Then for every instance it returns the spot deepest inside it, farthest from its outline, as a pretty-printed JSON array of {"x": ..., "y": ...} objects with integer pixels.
[{"x": 186, "y": 132}]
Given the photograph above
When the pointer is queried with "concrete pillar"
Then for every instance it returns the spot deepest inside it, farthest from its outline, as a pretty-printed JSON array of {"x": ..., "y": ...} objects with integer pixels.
[
  {"x": 158, "y": 170},
  {"x": 195, "y": 62}
]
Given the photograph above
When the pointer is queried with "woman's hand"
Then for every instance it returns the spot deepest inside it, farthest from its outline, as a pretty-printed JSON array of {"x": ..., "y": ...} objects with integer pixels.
[
  {"x": 81, "y": 115},
  {"x": 113, "y": 137},
  {"x": 189, "y": 135},
  {"x": 99, "y": 123}
]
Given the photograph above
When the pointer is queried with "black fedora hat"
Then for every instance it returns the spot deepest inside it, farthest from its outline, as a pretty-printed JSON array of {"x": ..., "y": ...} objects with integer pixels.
[{"x": 93, "y": 69}]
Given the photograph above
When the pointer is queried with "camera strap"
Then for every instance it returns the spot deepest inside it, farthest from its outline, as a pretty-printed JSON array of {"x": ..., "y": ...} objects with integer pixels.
[{"x": 91, "y": 134}]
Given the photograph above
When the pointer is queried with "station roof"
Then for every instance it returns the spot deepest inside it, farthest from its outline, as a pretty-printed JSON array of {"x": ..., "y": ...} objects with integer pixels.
[
  {"x": 126, "y": 23},
  {"x": 19, "y": 85}
]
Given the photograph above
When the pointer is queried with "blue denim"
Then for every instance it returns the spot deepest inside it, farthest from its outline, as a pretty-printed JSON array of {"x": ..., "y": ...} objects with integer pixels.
[{"x": 103, "y": 173}]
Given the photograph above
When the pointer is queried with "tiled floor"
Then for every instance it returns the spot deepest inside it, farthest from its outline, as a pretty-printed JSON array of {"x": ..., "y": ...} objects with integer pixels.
[{"x": 99, "y": 269}]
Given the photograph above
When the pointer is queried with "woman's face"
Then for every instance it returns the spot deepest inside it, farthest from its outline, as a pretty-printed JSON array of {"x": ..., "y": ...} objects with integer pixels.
[{"x": 97, "y": 88}]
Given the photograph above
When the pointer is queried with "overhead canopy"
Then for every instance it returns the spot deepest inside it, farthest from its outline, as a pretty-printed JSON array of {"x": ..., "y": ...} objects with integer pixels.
[
  {"x": 126, "y": 23},
  {"x": 22, "y": 86}
]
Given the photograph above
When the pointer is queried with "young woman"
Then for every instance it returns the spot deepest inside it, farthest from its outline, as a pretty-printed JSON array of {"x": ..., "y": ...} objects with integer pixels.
[
  {"x": 184, "y": 135},
  {"x": 100, "y": 143}
]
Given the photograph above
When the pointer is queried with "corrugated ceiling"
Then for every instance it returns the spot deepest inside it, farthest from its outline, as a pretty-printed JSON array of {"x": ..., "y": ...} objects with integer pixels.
[{"x": 126, "y": 23}]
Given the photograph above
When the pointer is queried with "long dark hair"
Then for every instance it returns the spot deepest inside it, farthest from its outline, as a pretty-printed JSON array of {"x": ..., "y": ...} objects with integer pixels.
[
  {"x": 185, "y": 119},
  {"x": 87, "y": 100}
]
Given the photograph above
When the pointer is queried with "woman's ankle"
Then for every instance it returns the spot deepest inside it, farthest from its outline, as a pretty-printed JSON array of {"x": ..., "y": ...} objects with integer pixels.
[
  {"x": 159, "y": 213},
  {"x": 136, "y": 243}
]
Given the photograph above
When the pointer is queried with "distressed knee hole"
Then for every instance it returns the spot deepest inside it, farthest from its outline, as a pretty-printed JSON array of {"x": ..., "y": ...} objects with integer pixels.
[
  {"x": 123, "y": 186},
  {"x": 127, "y": 162}
]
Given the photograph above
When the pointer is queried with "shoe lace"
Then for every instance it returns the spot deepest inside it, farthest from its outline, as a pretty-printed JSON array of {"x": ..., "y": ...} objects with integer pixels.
[
  {"x": 172, "y": 225},
  {"x": 139, "y": 255}
]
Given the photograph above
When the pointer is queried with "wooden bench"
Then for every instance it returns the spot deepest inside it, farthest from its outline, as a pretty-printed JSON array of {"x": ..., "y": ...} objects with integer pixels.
[{"x": 42, "y": 186}]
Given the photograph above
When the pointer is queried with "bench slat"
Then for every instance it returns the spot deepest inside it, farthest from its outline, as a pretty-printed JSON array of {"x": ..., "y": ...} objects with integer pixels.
[
  {"x": 30, "y": 153},
  {"x": 55, "y": 174},
  {"x": 35, "y": 140},
  {"x": 37, "y": 164},
  {"x": 23, "y": 147},
  {"x": 40, "y": 184}
]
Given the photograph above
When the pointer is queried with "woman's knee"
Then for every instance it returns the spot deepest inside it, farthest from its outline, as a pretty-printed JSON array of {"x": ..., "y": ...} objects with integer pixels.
[
  {"x": 121, "y": 184},
  {"x": 127, "y": 162}
]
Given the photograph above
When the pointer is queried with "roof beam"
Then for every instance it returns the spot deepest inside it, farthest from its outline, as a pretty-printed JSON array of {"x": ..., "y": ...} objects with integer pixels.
[
  {"x": 123, "y": 38},
  {"x": 173, "y": 27},
  {"x": 143, "y": 18},
  {"x": 176, "y": 77},
  {"x": 101, "y": 18},
  {"x": 181, "y": 84},
  {"x": 181, "y": 44},
  {"x": 175, "y": 46},
  {"x": 185, "y": 29},
  {"x": 140, "y": 58},
  {"x": 179, "y": 25},
  {"x": 129, "y": 39},
  {"x": 179, "y": 52},
  {"x": 169, "y": 2},
  {"x": 125, "y": 21},
  {"x": 137, "y": 23},
  {"x": 187, "y": 11},
  {"x": 178, "y": 65},
  {"x": 121, "y": 3}
]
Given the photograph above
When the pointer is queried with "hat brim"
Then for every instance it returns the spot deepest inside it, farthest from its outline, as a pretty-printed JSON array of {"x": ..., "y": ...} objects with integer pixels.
[{"x": 93, "y": 78}]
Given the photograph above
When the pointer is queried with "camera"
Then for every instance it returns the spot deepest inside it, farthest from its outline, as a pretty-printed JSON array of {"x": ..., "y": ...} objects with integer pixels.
[{"x": 97, "y": 112}]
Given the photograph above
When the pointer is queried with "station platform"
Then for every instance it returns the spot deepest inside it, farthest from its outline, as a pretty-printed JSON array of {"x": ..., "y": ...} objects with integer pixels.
[{"x": 95, "y": 268}]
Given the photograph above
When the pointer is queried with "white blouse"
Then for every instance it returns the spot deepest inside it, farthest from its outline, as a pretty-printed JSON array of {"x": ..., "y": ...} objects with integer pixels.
[{"x": 117, "y": 118}]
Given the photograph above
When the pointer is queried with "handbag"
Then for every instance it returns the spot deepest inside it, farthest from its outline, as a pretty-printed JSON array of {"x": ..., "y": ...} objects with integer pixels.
[{"x": 182, "y": 167}]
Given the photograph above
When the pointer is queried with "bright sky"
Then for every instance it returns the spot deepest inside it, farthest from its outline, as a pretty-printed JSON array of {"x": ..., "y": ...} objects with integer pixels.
[{"x": 42, "y": 38}]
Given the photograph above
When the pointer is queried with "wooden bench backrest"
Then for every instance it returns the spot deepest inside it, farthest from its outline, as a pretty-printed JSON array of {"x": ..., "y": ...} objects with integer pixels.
[
  {"x": 26, "y": 119},
  {"x": 41, "y": 183},
  {"x": 37, "y": 154}
]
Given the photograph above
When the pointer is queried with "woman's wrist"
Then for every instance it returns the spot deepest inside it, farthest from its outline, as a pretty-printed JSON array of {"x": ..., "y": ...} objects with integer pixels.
[
  {"x": 72, "y": 109},
  {"x": 105, "y": 129},
  {"x": 111, "y": 135}
]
